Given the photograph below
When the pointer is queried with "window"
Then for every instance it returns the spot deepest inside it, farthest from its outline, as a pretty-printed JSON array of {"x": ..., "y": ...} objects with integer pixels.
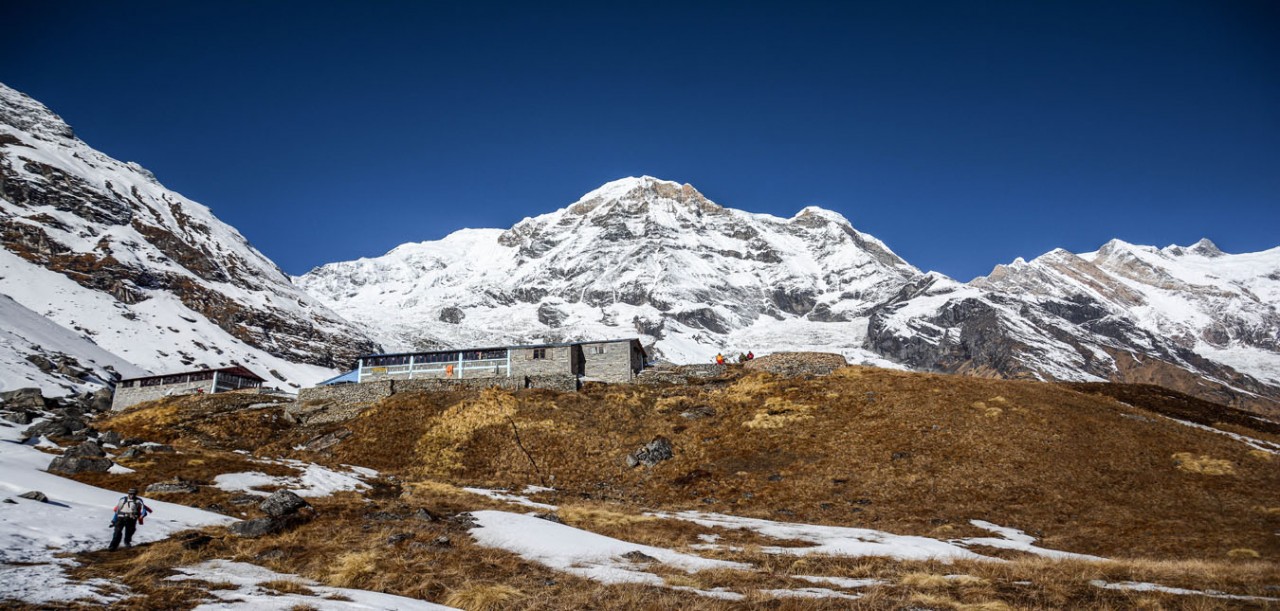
[
  {"x": 597, "y": 350},
  {"x": 539, "y": 353}
]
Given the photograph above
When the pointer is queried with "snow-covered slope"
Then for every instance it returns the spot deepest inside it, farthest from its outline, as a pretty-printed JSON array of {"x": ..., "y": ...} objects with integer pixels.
[
  {"x": 651, "y": 258},
  {"x": 636, "y": 257},
  {"x": 101, "y": 248}
]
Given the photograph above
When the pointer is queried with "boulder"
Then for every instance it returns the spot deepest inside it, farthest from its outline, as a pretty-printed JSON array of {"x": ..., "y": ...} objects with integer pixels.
[
  {"x": 34, "y": 495},
  {"x": 23, "y": 398},
  {"x": 257, "y": 527},
  {"x": 79, "y": 464},
  {"x": 652, "y": 453},
  {"x": 283, "y": 503},
  {"x": 51, "y": 428},
  {"x": 131, "y": 453},
  {"x": 86, "y": 449}
]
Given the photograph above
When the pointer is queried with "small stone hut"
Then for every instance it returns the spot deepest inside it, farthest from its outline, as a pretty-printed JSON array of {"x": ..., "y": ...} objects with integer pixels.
[{"x": 136, "y": 390}]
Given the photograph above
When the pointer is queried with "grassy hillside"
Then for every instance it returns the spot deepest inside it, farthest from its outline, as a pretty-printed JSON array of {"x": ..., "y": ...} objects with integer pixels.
[{"x": 1099, "y": 470}]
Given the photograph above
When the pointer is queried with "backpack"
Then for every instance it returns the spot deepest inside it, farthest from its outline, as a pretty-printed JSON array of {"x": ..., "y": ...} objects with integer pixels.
[{"x": 131, "y": 508}]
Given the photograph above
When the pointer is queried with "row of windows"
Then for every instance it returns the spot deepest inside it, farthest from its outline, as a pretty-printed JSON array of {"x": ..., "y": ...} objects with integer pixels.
[
  {"x": 199, "y": 376},
  {"x": 435, "y": 357}
]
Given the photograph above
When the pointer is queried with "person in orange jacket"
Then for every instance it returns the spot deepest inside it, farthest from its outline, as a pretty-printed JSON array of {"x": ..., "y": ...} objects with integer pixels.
[
  {"x": 719, "y": 359},
  {"x": 129, "y": 513}
]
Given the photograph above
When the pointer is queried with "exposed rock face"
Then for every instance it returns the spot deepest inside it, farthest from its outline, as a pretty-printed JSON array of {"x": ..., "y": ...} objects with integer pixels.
[{"x": 111, "y": 238}]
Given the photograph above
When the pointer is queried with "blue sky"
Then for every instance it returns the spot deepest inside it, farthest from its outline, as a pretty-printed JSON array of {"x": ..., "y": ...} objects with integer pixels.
[{"x": 963, "y": 134}]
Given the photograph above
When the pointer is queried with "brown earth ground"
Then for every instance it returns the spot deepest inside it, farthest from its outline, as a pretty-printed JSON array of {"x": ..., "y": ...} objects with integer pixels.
[{"x": 1094, "y": 469}]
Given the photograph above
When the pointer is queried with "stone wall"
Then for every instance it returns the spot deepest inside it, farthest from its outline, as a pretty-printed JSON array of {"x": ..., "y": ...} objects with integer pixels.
[
  {"x": 367, "y": 392},
  {"x": 563, "y": 382},
  {"x": 611, "y": 361},
  {"x": 133, "y": 395},
  {"x": 559, "y": 360}
]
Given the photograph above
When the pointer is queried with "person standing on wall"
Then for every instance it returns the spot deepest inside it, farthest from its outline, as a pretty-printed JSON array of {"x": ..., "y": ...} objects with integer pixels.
[{"x": 129, "y": 513}]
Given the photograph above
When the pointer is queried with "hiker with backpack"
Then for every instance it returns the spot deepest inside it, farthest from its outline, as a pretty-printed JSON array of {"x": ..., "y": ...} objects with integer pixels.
[{"x": 129, "y": 513}]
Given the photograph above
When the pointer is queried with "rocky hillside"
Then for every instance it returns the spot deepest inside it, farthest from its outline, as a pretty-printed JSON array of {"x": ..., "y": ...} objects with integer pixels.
[
  {"x": 647, "y": 257},
  {"x": 102, "y": 249}
]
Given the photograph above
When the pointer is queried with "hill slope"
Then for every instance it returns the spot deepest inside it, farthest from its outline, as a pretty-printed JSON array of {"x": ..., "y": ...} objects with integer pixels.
[{"x": 788, "y": 480}]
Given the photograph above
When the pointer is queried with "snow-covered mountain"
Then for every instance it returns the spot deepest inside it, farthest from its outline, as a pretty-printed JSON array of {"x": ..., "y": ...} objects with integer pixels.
[
  {"x": 1191, "y": 318},
  {"x": 647, "y": 257},
  {"x": 638, "y": 256},
  {"x": 137, "y": 276}
]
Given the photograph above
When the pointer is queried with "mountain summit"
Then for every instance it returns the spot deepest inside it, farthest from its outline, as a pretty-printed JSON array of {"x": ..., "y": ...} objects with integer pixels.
[{"x": 635, "y": 256}]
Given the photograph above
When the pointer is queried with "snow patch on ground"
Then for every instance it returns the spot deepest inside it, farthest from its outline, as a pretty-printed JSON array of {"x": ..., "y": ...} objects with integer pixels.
[
  {"x": 76, "y": 519},
  {"x": 249, "y": 594},
  {"x": 314, "y": 480},
  {"x": 582, "y": 553},
  {"x": 1014, "y": 539},
  {"x": 1138, "y": 586}
]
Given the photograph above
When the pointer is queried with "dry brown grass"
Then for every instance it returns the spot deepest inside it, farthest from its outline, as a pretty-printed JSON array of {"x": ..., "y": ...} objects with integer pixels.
[
  {"x": 491, "y": 597},
  {"x": 1203, "y": 465},
  {"x": 903, "y": 452}
]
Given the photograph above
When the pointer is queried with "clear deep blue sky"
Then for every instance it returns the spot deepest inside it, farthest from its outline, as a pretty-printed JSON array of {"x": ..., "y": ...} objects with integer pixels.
[{"x": 963, "y": 134}]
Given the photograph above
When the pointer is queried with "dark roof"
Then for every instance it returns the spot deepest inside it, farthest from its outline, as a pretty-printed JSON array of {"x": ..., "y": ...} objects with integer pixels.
[
  {"x": 236, "y": 370},
  {"x": 470, "y": 349}
]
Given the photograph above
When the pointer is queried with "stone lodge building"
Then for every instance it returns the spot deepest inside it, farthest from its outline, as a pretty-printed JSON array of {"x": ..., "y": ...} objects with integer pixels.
[
  {"x": 618, "y": 360},
  {"x": 136, "y": 390}
]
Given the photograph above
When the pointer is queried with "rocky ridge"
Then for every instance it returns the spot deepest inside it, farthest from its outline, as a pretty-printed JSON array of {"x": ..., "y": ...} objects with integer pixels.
[{"x": 101, "y": 248}]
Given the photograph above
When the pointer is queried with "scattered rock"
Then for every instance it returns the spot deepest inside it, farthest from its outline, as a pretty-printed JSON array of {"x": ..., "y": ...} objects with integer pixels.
[
  {"x": 384, "y": 516},
  {"x": 639, "y": 556},
  {"x": 131, "y": 441},
  {"x": 442, "y": 541},
  {"x": 797, "y": 363},
  {"x": 131, "y": 453},
  {"x": 79, "y": 464},
  {"x": 152, "y": 448},
  {"x": 652, "y": 453},
  {"x": 464, "y": 520},
  {"x": 283, "y": 503},
  {"x": 176, "y": 485},
  {"x": 549, "y": 516},
  {"x": 34, "y": 495},
  {"x": 22, "y": 417},
  {"x": 900, "y": 456},
  {"x": 246, "y": 499},
  {"x": 111, "y": 438},
  {"x": 398, "y": 537},
  {"x": 11, "y": 501},
  {"x": 425, "y": 516},
  {"x": 324, "y": 442},
  {"x": 698, "y": 413}
]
